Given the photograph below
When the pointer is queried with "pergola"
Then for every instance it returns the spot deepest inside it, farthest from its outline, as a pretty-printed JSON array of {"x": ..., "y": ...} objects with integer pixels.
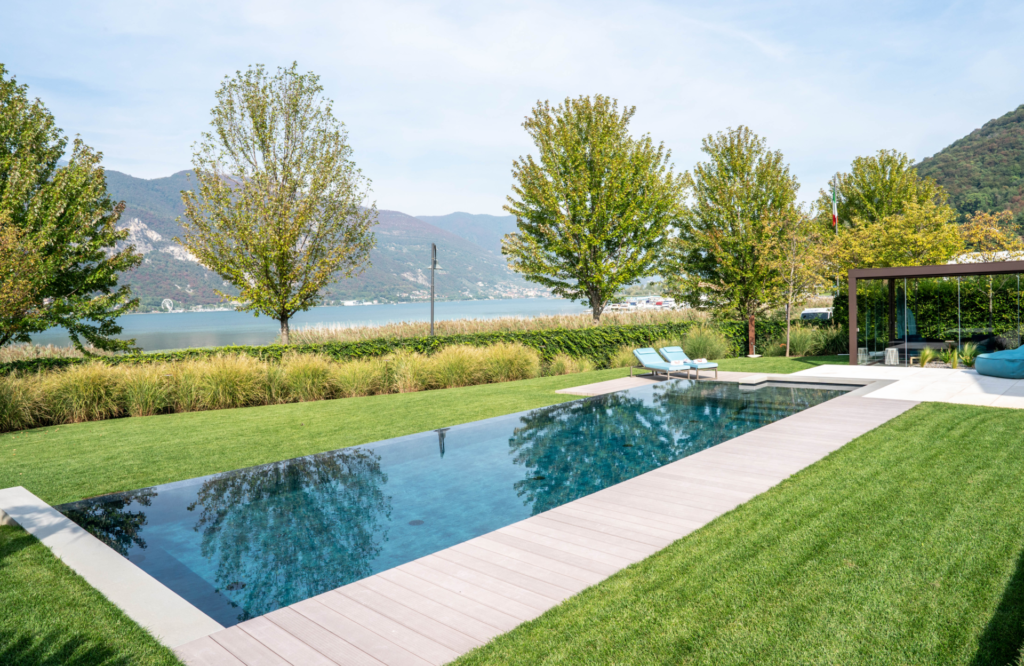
[{"x": 903, "y": 272}]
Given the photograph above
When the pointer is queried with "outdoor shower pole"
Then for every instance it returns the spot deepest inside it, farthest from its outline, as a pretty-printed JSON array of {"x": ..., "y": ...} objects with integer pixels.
[{"x": 433, "y": 265}]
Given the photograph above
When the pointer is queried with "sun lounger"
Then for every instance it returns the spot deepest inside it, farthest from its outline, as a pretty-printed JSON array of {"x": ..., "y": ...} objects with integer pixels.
[
  {"x": 677, "y": 354},
  {"x": 649, "y": 360}
]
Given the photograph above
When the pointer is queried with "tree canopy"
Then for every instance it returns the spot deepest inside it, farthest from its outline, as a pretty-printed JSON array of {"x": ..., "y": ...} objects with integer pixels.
[
  {"x": 727, "y": 254},
  {"x": 921, "y": 235},
  {"x": 877, "y": 187},
  {"x": 278, "y": 211},
  {"x": 594, "y": 208},
  {"x": 59, "y": 227}
]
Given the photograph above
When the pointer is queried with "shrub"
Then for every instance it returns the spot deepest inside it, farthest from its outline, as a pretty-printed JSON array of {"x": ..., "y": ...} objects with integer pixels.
[
  {"x": 18, "y": 402},
  {"x": 509, "y": 362},
  {"x": 231, "y": 381},
  {"x": 88, "y": 392},
  {"x": 834, "y": 340},
  {"x": 361, "y": 377},
  {"x": 455, "y": 366},
  {"x": 186, "y": 386},
  {"x": 968, "y": 353},
  {"x": 804, "y": 341},
  {"x": 563, "y": 364},
  {"x": 308, "y": 377},
  {"x": 622, "y": 358},
  {"x": 406, "y": 372},
  {"x": 706, "y": 342},
  {"x": 146, "y": 390},
  {"x": 927, "y": 356},
  {"x": 275, "y": 385}
]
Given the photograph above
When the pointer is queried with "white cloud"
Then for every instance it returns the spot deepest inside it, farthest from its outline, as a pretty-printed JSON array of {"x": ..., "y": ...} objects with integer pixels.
[{"x": 433, "y": 93}]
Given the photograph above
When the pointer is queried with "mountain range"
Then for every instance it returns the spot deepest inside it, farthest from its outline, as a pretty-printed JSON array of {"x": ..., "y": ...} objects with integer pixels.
[
  {"x": 984, "y": 171},
  {"x": 468, "y": 247}
]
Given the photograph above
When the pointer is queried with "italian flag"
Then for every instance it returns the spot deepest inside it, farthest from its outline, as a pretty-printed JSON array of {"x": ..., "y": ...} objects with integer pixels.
[{"x": 835, "y": 209}]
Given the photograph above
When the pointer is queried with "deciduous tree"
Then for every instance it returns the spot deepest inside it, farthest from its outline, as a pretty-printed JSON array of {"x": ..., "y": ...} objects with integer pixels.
[
  {"x": 61, "y": 225},
  {"x": 593, "y": 209},
  {"x": 877, "y": 187},
  {"x": 731, "y": 238},
  {"x": 804, "y": 261},
  {"x": 921, "y": 235},
  {"x": 278, "y": 209}
]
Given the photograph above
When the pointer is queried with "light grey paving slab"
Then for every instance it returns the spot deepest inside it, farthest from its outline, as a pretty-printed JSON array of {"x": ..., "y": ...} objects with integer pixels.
[
  {"x": 451, "y": 617},
  {"x": 447, "y": 603},
  {"x": 498, "y": 586},
  {"x": 529, "y": 567},
  {"x": 323, "y": 641},
  {"x": 290, "y": 648},
  {"x": 247, "y": 649},
  {"x": 610, "y": 386},
  {"x": 412, "y": 641},
  {"x": 373, "y": 644},
  {"x": 206, "y": 652},
  {"x": 416, "y": 620},
  {"x": 150, "y": 603}
]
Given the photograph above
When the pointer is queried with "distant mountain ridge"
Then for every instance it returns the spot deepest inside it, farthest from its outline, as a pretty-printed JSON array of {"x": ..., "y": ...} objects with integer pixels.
[
  {"x": 400, "y": 262},
  {"x": 484, "y": 230},
  {"x": 984, "y": 171}
]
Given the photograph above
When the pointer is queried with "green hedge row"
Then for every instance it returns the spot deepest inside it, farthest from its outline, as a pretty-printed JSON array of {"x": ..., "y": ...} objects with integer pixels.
[
  {"x": 984, "y": 306},
  {"x": 597, "y": 344}
]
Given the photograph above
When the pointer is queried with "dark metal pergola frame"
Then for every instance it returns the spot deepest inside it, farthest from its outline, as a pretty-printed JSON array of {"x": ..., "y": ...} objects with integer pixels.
[{"x": 947, "y": 270}]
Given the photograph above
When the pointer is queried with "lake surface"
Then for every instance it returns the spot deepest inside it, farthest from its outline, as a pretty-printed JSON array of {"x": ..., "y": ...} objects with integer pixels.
[{"x": 177, "y": 330}]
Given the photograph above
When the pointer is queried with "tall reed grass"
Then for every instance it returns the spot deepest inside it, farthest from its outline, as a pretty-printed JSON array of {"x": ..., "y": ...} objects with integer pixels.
[
  {"x": 96, "y": 391},
  {"x": 321, "y": 333}
]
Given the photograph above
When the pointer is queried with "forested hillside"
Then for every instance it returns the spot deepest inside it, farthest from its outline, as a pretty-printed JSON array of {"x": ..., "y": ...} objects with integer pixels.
[{"x": 984, "y": 171}]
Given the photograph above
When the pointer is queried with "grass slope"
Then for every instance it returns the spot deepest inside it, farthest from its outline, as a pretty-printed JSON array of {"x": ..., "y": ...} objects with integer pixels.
[
  {"x": 50, "y": 615},
  {"x": 903, "y": 547}
]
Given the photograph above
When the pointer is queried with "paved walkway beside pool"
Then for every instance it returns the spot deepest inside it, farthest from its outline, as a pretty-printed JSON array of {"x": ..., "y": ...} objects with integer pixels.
[
  {"x": 964, "y": 386},
  {"x": 438, "y": 607}
]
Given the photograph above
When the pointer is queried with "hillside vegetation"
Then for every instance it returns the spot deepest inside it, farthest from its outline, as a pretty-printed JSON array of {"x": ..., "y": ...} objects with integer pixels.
[{"x": 984, "y": 171}]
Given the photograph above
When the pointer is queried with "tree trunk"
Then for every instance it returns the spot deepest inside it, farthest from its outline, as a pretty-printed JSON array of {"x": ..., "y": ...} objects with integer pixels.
[
  {"x": 788, "y": 318},
  {"x": 284, "y": 330},
  {"x": 596, "y": 308},
  {"x": 750, "y": 333}
]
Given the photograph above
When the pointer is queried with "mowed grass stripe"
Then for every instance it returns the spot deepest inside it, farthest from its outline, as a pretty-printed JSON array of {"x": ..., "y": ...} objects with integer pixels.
[{"x": 903, "y": 547}]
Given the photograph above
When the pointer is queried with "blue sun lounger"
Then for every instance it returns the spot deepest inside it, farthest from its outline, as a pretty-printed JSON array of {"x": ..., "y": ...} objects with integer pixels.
[
  {"x": 677, "y": 354},
  {"x": 649, "y": 360}
]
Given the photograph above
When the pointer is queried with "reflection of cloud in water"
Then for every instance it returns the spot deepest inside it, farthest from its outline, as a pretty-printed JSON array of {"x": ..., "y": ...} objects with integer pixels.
[{"x": 288, "y": 531}]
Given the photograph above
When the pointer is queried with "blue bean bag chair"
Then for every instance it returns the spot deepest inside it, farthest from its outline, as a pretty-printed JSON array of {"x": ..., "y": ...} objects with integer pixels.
[{"x": 1008, "y": 364}]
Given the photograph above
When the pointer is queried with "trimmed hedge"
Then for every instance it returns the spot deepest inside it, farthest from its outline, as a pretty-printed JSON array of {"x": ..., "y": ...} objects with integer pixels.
[
  {"x": 597, "y": 344},
  {"x": 934, "y": 304}
]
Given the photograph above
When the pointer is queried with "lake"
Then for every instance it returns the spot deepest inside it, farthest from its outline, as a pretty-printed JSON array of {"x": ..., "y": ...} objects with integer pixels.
[{"x": 176, "y": 330}]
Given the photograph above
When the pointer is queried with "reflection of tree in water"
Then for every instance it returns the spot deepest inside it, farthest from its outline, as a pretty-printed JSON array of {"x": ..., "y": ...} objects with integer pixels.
[
  {"x": 286, "y": 532},
  {"x": 578, "y": 448},
  {"x": 109, "y": 521}
]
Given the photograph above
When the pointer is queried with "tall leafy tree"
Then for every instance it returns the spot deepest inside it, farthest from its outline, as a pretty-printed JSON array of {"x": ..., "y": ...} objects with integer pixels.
[
  {"x": 804, "y": 261},
  {"x": 731, "y": 237},
  {"x": 278, "y": 211},
  {"x": 61, "y": 225},
  {"x": 921, "y": 235},
  {"x": 593, "y": 209},
  {"x": 877, "y": 187}
]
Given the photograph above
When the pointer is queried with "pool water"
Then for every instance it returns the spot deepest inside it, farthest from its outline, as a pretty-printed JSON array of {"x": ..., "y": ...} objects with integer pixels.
[{"x": 243, "y": 543}]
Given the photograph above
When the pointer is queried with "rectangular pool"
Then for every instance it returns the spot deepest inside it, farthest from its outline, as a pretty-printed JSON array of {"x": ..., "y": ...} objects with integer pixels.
[{"x": 243, "y": 543}]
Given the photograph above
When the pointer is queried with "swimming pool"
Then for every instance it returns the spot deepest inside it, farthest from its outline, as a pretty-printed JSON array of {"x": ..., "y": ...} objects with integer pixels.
[{"x": 243, "y": 543}]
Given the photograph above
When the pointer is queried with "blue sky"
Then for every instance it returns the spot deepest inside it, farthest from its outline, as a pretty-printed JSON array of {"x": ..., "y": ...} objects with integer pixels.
[{"x": 434, "y": 93}]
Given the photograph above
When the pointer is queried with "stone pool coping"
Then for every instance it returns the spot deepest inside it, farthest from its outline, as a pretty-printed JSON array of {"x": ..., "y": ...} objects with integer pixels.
[
  {"x": 151, "y": 604},
  {"x": 431, "y": 610}
]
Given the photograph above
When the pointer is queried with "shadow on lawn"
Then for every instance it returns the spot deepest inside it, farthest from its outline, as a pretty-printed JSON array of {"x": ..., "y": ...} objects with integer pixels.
[
  {"x": 1001, "y": 642},
  {"x": 55, "y": 649},
  {"x": 11, "y": 544}
]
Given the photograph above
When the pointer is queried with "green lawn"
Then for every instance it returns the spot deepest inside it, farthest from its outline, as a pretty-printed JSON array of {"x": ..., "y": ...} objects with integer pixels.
[
  {"x": 49, "y": 615},
  {"x": 65, "y": 463},
  {"x": 779, "y": 364},
  {"x": 904, "y": 547}
]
